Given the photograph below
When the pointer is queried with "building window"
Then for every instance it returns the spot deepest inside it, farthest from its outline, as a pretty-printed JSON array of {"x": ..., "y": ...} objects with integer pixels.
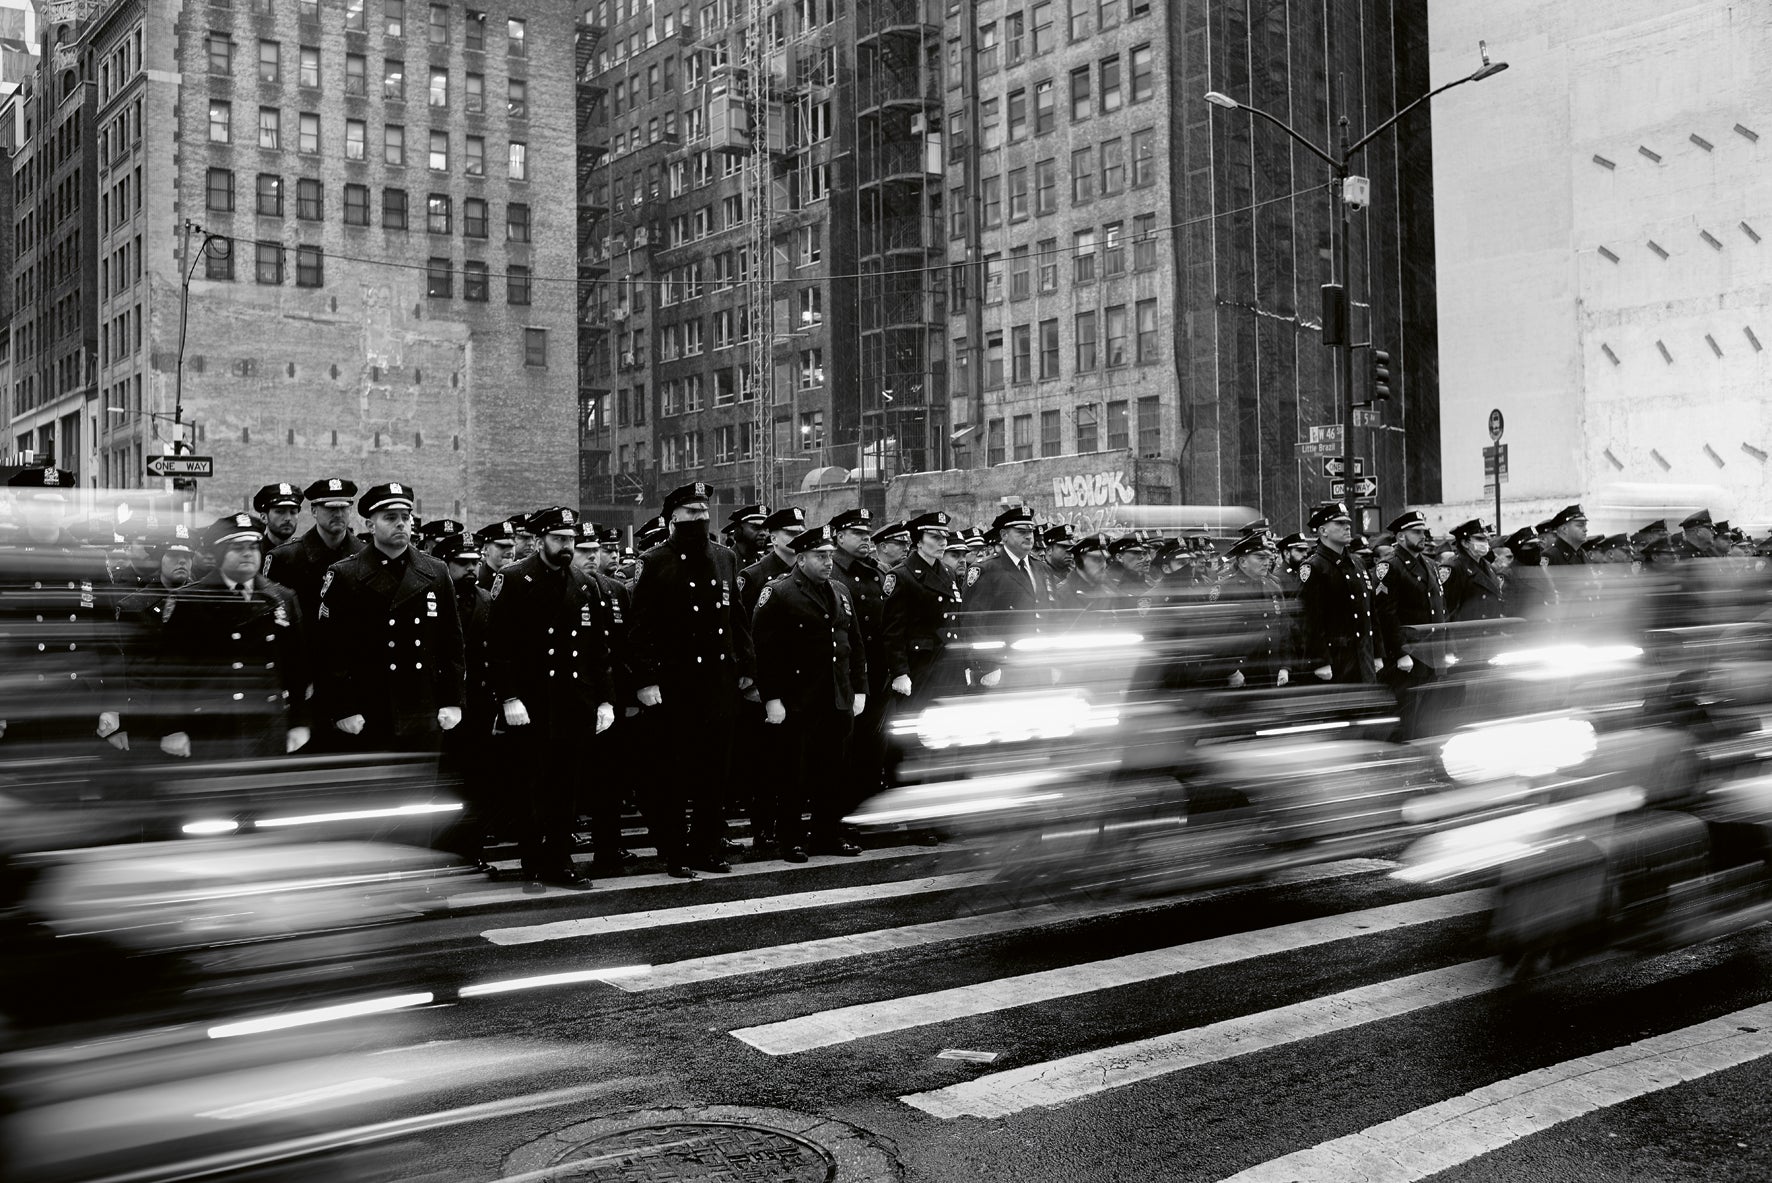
[
  {"x": 1046, "y": 186},
  {"x": 985, "y": 48},
  {"x": 1108, "y": 13},
  {"x": 475, "y": 42},
  {"x": 269, "y": 263},
  {"x": 519, "y": 161},
  {"x": 993, "y": 445},
  {"x": 356, "y": 205},
  {"x": 1089, "y": 427},
  {"x": 393, "y": 80},
  {"x": 1048, "y": 252},
  {"x": 811, "y": 369},
  {"x": 1119, "y": 428},
  {"x": 1085, "y": 337},
  {"x": 309, "y": 74},
  {"x": 1083, "y": 176},
  {"x": 991, "y": 201},
  {"x": 270, "y": 195},
  {"x": 269, "y": 60},
  {"x": 309, "y": 131},
  {"x": 1048, "y": 349},
  {"x": 356, "y": 139},
  {"x": 517, "y": 102},
  {"x": 1113, "y": 167},
  {"x": 1144, "y": 242},
  {"x": 221, "y": 53},
  {"x": 1022, "y": 436},
  {"x": 439, "y": 24},
  {"x": 393, "y": 144},
  {"x": 439, "y": 279},
  {"x": 1020, "y": 273},
  {"x": 1080, "y": 13},
  {"x": 1143, "y": 83},
  {"x": 1148, "y": 350},
  {"x": 1080, "y": 100},
  {"x": 1116, "y": 336},
  {"x": 1041, "y": 20},
  {"x": 990, "y": 125},
  {"x": 993, "y": 359},
  {"x": 221, "y": 190},
  {"x": 1110, "y": 84},
  {"x": 1018, "y": 194},
  {"x": 473, "y": 217},
  {"x": 218, "y": 259},
  {"x": 516, "y": 284},
  {"x": 221, "y": 120},
  {"x": 270, "y": 127},
  {"x": 1113, "y": 249},
  {"x": 1051, "y": 434},
  {"x": 811, "y": 431},
  {"x": 476, "y": 156},
  {"x": 1144, "y": 157},
  {"x": 516, "y": 222},
  {"x": 309, "y": 200},
  {"x": 310, "y": 267},
  {"x": 439, "y": 93},
  {"x": 354, "y": 20},
  {"x": 439, "y": 151},
  {"x": 1045, "y": 107},
  {"x": 515, "y": 39},
  {"x": 473, "y": 281},
  {"x": 811, "y": 307},
  {"x": 395, "y": 13},
  {"x": 1150, "y": 426},
  {"x": 1083, "y": 256},
  {"x": 356, "y": 74},
  {"x": 437, "y": 214},
  {"x": 1018, "y": 115},
  {"x": 393, "y": 209},
  {"x": 1021, "y": 356}
]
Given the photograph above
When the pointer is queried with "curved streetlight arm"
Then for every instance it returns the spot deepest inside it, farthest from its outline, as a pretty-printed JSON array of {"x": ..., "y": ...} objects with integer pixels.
[
  {"x": 1360, "y": 143},
  {"x": 1287, "y": 128}
]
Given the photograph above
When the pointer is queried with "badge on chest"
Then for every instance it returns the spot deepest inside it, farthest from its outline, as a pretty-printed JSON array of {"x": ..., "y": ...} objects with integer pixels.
[{"x": 431, "y": 604}]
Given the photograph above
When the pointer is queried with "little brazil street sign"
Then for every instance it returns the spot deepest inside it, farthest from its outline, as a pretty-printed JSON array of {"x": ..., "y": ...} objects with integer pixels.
[{"x": 181, "y": 466}]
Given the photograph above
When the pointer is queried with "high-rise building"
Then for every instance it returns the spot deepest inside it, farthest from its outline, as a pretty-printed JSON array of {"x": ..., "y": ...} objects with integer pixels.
[
  {"x": 372, "y": 208},
  {"x": 18, "y": 43}
]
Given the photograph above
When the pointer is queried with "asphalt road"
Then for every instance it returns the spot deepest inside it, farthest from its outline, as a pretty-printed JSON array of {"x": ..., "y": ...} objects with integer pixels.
[{"x": 1336, "y": 1025}]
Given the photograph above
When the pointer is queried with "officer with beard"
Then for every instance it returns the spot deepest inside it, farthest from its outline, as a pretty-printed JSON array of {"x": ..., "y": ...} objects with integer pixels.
[
  {"x": 781, "y": 527},
  {"x": 280, "y": 506},
  {"x": 468, "y": 753},
  {"x": 812, "y": 675},
  {"x": 390, "y": 638},
  {"x": 745, "y": 528},
  {"x": 692, "y": 660},
  {"x": 496, "y": 542},
  {"x": 233, "y": 662},
  {"x": 549, "y": 667},
  {"x": 1294, "y": 550},
  {"x": 301, "y": 563}
]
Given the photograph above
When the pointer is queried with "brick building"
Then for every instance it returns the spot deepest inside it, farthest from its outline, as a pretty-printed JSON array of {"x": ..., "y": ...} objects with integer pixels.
[{"x": 381, "y": 262}]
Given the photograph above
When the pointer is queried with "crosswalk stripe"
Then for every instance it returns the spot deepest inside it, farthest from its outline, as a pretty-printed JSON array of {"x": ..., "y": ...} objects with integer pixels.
[
  {"x": 695, "y": 913},
  {"x": 911, "y": 936},
  {"x": 1442, "y": 1136},
  {"x": 898, "y": 1014},
  {"x": 1055, "y": 1082}
]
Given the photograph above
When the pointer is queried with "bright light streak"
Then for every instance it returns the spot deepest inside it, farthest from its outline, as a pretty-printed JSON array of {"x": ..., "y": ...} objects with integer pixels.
[
  {"x": 1531, "y": 747},
  {"x": 1560, "y": 661},
  {"x": 309, "y": 819},
  {"x": 987, "y": 645},
  {"x": 947, "y": 809},
  {"x": 324, "y": 1014},
  {"x": 1011, "y": 719},
  {"x": 1071, "y": 642},
  {"x": 1488, "y": 844},
  {"x": 213, "y": 826},
  {"x": 559, "y": 979},
  {"x": 1302, "y": 728}
]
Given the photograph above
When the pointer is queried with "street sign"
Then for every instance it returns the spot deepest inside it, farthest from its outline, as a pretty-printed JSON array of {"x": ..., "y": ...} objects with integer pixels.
[
  {"x": 1322, "y": 433},
  {"x": 1496, "y": 423},
  {"x": 1335, "y": 467},
  {"x": 1495, "y": 460},
  {"x": 1324, "y": 448},
  {"x": 1367, "y": 417},
  {"x": 181, "y": 465},
  {"x": 1363, "y": 487}
]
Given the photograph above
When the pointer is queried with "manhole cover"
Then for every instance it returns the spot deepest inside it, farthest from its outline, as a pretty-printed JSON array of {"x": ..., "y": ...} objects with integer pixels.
[{"x": 711, "y": 1144}]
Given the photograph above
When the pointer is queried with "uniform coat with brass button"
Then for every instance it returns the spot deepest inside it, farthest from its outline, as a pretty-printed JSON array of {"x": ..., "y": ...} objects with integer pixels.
[
  {"x": 1335, "y": 624},
  {"x": 233, "y": 668},
  {"x": 1473, "y": 590},
  {"x": 301, "y": 565},
  {"x": 391, "y": 648},
  {"x": 754, "y": 578},
  {"x": 920, "y": 621},
  {"x": 61, "y": 663},
  {"x": 811, "y": 657}
]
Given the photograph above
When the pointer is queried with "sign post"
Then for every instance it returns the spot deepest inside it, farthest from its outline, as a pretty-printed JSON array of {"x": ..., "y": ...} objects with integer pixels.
[{"x": 1499, "y": 464}]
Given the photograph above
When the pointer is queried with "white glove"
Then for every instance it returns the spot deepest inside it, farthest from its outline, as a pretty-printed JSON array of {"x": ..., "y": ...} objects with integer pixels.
[
  {"x": 352, "y": 725},
  {"x": 649, "y": 696},
  {"x": 118, "y": 740},
  {"x": 177, "y": 744},
  {"x": 991, "y": 679},
  {"x": 1405, "y": 663},
  {"x": 605, "y": 717},
  {"x": 1377, "y": 663},
  {"x": 448, "y": 717},
  {"x": 1282, "y": 678},
  {"x": 108, "y": 723},
  {"x": 752, "y": 694},
  {"x": 773, "y": 711},
  {"x": 2, "y": 728},
  {"x": 902, "y": 685},
  {"x": 1236, "y": 679},
  {"x": 298, "y": 739},
  {"x": 860, "y": 704},
  {"x": 516, "y": 714},
  {"x": 1324, "y": 672},
  {"x": 746, "y": 683}
]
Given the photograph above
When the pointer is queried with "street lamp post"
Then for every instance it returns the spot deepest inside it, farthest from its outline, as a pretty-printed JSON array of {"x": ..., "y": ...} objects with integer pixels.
[
  {"x": 1337, "y": 325},
  {"x": 220, "y": 247}
]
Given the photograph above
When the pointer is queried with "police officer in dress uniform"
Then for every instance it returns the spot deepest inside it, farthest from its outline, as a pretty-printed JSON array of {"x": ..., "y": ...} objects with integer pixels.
[
  {"x": 1337, "y": 640},
  {"x": 892, "y": 545},
  {"x": 863, "y": 580},
  {"x": 1266, "y": 659},
  {"x": 301, "y": 564},
  {"x": 692, "y": 660},
  {"x": 548, "y": 662},
  {"x": 1295, "y": 548},
  {"x": 140, "y": 612},
  {"x": 279, "y": 505},
  {"x": 747, "y": 531},
  {"x": 781, "y": 527},
  {"x": 1009, "y": 594},
  {"x": 812, "y": 675},
  {"x": 756, "y": 780},
  {"x": 1059, "y": 540},
  {"x": 597, "y": 552},
  {"x": 468, "y": 749},
  {"x": 1698, "y": 538},
  {"x": 1568, "y": 530},
  {"x": 1410, "y": 591},
  {"x": 1473, "y": 589},
  {"x": 1087, "y": 588},
  {"x": 920, "y": 621},
  {"x": 233, "y": 677},
  {"x": 390, "y": 639},
  {"x": 496, "y": 542}
]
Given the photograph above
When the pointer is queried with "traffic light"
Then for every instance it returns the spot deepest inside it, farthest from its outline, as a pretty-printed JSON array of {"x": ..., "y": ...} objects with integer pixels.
[{"x": 1381, "y": 376}]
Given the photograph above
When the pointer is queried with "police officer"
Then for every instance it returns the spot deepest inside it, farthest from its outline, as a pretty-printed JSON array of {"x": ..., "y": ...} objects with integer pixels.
[
  {"x": 1086, "y": 587},
  {"x": 653, "y": 532},
  {"x": 1411, "y": 605},
  {"x": 468, "y": 753},
  {"x": 812, "y": 675},
  {"x": 692, "y": 660},
  {"x": 280, "y": 506},
  {"x": 390, "y": 639},
  {"x": 746, "y": 529},
  {"x": 1058, "y": 541},
  {"x": 1568, "y": 530},
  {"x": 1265, "y": 658},
  {"x": 1698, "y": 538},
  {"x": 1336, "y": 639},
  {"x": 549, "y": 666},
  {"x": 920, "y": 621},
  {"x": 782, "y": 527},
  {"x": 301, "y": 564},
  {"x": 598, "y": 551},
  {"x": 1473, "y": 588},
  {"x": 862, "y": 579},
  {"x": 892, "y": 544},
  {"x": 233, "y": 661},
  {"x": 140, "y": 612},
  {"x": 496, "y": 542},
  {"x": 1295, "y": 548}
]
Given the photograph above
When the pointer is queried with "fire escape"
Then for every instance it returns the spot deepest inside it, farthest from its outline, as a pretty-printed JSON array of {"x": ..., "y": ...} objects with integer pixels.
[{"x": 594, "y": 432}]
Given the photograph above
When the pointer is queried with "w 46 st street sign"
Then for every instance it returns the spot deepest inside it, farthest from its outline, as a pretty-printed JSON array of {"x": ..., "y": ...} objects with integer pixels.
[{"x": 181, "y": 465}]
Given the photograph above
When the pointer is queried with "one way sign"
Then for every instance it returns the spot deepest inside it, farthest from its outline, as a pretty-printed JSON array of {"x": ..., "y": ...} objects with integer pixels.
[
  {"x": 1364, "y": 487},
  {"x": 181, "y": 465}
]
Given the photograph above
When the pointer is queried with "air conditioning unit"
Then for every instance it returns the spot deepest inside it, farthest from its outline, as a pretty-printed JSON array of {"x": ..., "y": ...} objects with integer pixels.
[
  {"x": 919, "y": 124},
  {"x": 640, "y": 236},
  {"x": 627, "y": 360}
]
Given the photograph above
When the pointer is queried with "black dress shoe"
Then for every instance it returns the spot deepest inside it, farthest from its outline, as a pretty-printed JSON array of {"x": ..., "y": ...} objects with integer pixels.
[
  {"x": 715, "y": 865},
  {"x": 793, "y": 854},
  {"x": 845, "y": 849},
  {"x": 678, "y": 871},
  {"x": 566, "y": 877}
]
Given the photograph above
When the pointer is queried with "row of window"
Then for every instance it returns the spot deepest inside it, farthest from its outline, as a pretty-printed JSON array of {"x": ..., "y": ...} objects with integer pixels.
[
  {"x": 1032, "y": 191},
  {"x": 734, "y": 443},
  {"x": 1029, "y": 34},
  {"x": 310, "y": 206},
  {"x": 1089, "y": 437},
  {"x": 356, "y": 76},
  {"x": 1092, "y": 256},
  {"x": 395, "y": 20},
  {"x": 1112, "y": 338},
  {"x": 356, "y": 144}
]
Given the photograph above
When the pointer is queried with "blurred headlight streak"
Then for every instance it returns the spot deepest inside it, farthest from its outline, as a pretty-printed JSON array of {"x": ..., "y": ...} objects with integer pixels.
[
  {"x": 310, "y": 819},
  {"x": 1489, "y": 844},
  {"x": 212, "y": 826},
  {"x": 1531, "y": 747},
  {"x": 1012, "y": 719},
  {"x": 1075, "y": 642},
  {"x": 324, "y": 1014},
  {"x": 1304, "y": 728},
  {"x": 560, "y": 979},
  {"x": 1566, "y": 661}
]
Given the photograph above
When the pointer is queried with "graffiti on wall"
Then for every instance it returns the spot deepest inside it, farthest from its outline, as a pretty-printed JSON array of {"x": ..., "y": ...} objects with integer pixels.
[{"x": 1089, "y": 502}]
